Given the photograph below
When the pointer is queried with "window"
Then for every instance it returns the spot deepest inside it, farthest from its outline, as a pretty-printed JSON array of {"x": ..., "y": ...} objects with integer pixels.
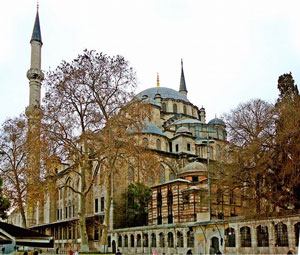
[
  {"x": 297, "y": 229},
  {"x": 109, "y": 241},
  {"x": 120, "y": 241},
  {"x": 170, "y": 239},
  {"x": 153, "y": 240},
  {"x": 57, "y": 214},
  {"x": 164, "y": 107},
  {"x": 245, "y": 237},
  {"x": 171, "y": 176},
  {"x": 281, "y": 235},
  {"x": 188, "y": 147},
  {"x": 229, "y": 237},
  {"x": 190, "y": 239},
  {"x": 131, "y": 240},
  {"x": 179, "y": 239},
  {"x": 219, "y": 196},
  {"x": 146, "y": 243},
  {"x": 170, "y": 205},
  {"x": 158, "y": 144},
  {"x": 126, "y": 241},
  {"x": 231, "y": 198},
  {"x": 130, "y": 174},
  {"x": 138, "y": 241},
  {"x": 159, "y": 205},
  {"x": 195, "y": 179},
  {"x": 184, "y": 109},
  {"x": 177, "y": 147},
  {"x": 96, "y": 205},
  {"x": 262, "y": 236},
  {"x": 161, "y": 240},
  {"x": 175, "y": 108},
  {"x": 66, "y": 212},
  {"x": 96, "y": 233},
  {"x": 102, "y": 204},
  {"x": 162, "y": 175},
  {"x": 145, "y": 141}
]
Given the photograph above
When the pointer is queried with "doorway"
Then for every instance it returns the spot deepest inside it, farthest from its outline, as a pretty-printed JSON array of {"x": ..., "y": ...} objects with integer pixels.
[{"x": 215, "y": 243}]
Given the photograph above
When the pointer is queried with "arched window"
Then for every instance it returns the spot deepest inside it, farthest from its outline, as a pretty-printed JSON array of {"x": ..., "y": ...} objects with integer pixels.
[
  {"x": 175, "y": 108},
  {"x": 131, "y": 240},
  {"x": 146, "y": 243},
  {"x": 218, "y": 151},
  {"x": 281, "y": 235},
  {"x": 158, "y": 144},
  {"x": 145, "y": 142},
  {"x": 170, "y": 240},
  {"x": 245, "y": 237},
  {"x": 130, "y": 174},
  {"x": 120, "y": 241},
  {"x": 162, "y": 175},
  {"x": 138, "y": 241},
  {"x": 153, "y": 240},
  {"x": 126, "y": 241},
  {"x": 171, "y": 176},
  {"x": 170, "y": 205},
  {"x": 190, "y": 239},
  {"x": 229, "y": 237},
  {"x": 262, "y": 236},
  {"x": 161, "y": 240},
  {"x": 297, "y": 229},
  {"x": 179, "y": 239},
  {"x": 184, "y": 109},
  {"x": 164, "y": 107}
]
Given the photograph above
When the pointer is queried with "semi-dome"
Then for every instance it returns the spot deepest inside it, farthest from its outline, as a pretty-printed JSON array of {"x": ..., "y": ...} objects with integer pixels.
[
  {"x": 151, "y": 128},
  {"x": 164, "y": 93},
  {"x": 187, "y": 121},
  {"x": 216, "y": 121}
]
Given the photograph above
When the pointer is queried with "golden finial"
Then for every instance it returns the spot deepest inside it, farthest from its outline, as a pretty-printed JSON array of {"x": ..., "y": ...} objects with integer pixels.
[
  {"x": 157, "y": 83},
  {"x": 37, "y": 4}
]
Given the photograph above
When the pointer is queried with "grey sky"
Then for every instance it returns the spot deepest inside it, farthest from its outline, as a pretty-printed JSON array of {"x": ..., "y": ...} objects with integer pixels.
[{"x": 232, "y": 50}]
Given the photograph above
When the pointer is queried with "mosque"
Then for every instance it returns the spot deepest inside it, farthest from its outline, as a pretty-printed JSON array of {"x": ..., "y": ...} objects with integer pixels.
[{"x": 180, "y": 220}]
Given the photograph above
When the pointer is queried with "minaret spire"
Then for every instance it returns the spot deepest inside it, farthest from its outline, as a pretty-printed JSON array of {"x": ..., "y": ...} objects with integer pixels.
[{"x": 182, "y": 87}]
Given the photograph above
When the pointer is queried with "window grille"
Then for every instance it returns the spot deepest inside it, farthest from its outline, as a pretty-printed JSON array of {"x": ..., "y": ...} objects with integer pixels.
[
  {"x": 153, "y": 240},
  {"x": 229, "y": 237},
  {"x": 245, "y": 237},
  {"x": 161, "y": 240},
  {"x": 262, "y": 236},
  {"x": 190, "y": 239},
  {"x": 281, "y": 235},
  {"x": 170, "y": 240},
  {"x": 179, "y": 239}
]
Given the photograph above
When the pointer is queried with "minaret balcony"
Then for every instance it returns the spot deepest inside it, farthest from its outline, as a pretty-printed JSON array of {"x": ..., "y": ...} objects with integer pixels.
[{"x": 35, "y": 74}]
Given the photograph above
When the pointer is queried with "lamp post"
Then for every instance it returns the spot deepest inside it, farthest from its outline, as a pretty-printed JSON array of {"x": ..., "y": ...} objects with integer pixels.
[{"x": 207, "y": 142}]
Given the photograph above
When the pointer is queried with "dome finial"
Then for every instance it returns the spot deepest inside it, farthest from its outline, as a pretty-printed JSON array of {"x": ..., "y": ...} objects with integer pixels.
[
  {"x": 37, "y": 4},
  {"x": 157, "y": 82}
]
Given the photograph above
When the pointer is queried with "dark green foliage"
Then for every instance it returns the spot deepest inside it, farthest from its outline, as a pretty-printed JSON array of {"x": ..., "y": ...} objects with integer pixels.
[
  {"x": 4, "y": 203},
  {"x": 132, "y": 208},
  {"x": 287, "y": 87}
]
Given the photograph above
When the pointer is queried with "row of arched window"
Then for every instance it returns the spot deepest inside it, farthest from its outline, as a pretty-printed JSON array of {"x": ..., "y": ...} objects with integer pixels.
[
  {"x": 262, "y": 236},
  {"x": 131, "y": 240},
  {"x": 175, "y": 109}
]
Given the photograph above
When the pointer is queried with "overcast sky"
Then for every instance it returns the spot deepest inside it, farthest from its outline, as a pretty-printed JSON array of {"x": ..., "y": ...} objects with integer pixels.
[{"x": 232, "y": 50}]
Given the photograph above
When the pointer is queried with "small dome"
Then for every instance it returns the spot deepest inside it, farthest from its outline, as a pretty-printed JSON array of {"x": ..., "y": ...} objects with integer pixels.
[
  {"x": 183, "y": 130},
  {"x": 195, "y": 166},
  {"x": 216, "y": 121}
]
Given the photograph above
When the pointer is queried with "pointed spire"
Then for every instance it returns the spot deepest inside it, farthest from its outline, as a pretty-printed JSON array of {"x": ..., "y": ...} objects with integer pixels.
[
  {"x": 36, "y": 33},
  {"x": 157, "y": 81},
  {"x": 182, "y": 87}
]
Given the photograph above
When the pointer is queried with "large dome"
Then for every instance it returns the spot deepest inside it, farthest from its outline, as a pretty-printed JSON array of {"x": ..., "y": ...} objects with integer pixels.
[{"x": 164, "y": 93}]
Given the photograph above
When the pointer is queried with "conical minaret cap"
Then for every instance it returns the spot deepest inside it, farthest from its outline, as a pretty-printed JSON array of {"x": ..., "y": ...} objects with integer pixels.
[
  {"x": 36, "y": 33},
  {"x": 182, "y": 86}
]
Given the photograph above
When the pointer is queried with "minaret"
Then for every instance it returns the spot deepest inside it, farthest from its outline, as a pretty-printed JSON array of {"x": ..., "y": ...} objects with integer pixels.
[
  {"x": 182, "y": 87},
  {"x": 34, "y": 115}
]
